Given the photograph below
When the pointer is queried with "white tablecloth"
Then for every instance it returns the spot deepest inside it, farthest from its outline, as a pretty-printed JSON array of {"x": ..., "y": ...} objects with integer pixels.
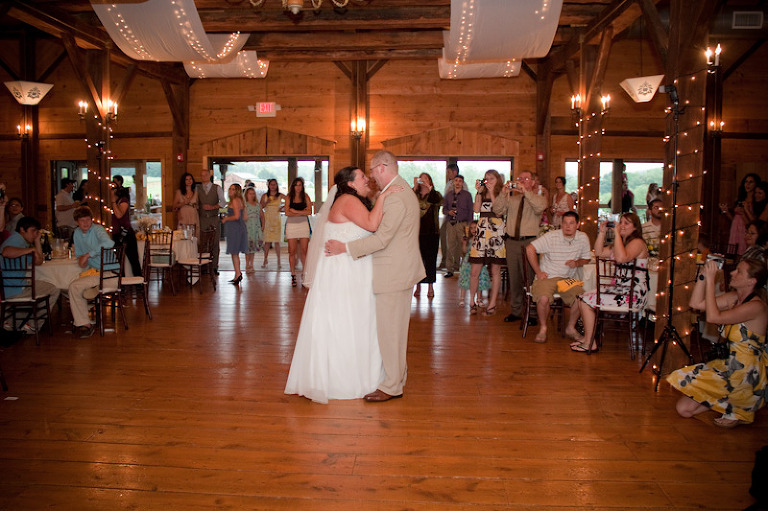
[
  {"x": 588, "y": 276},
  {"x": 59, "y": 272},
  {"x": 182, "y": 249}
]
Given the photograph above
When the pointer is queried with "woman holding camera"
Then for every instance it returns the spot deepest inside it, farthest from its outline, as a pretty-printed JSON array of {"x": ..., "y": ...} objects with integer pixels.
[
  {"x": 122, "y": 232},
  {"x": 488, "y": 244},
  {"x": 735, "y": 386},
  {"x": 628, "y": 246},
  {"x": 429, "y": 229}
]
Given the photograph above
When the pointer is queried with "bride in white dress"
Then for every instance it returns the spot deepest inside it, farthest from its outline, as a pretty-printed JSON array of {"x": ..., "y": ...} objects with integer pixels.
[{"x": 337, "y": 351}]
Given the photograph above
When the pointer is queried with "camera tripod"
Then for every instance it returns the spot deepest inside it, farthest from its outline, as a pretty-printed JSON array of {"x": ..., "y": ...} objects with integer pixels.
[{"x": 669, "y": 334}]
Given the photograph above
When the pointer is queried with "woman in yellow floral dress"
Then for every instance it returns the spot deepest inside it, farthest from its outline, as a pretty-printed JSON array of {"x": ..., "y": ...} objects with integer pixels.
[
  {"x": 271, "y": 204},
  {"x": 736, "y": 386}
]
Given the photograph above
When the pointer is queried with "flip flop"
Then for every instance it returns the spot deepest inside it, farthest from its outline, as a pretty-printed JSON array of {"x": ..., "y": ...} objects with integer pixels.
[{"x": 580, "y": 348}]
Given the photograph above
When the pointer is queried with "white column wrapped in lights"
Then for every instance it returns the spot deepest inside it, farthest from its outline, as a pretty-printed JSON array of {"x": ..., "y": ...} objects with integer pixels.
[
  {"x": 244, "y": 65},
  {"x": 493, "y": 36},
  {"x": 166, "y": 31}
]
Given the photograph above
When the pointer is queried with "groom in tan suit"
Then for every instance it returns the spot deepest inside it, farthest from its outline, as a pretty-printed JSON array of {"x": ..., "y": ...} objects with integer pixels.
[{"x": 397, "y": 267}]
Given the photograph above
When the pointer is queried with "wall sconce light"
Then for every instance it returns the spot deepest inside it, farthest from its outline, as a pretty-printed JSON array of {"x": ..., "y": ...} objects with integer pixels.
[
  {"x": 357, "y": 128},
  {"x": 576, "y": 104},
  {"x": 83, "y": 108},
  {"x": 111, "y": 110},
  {"x": 715, "y": 127},
  {"x": 606, "y": 102},
  {"x": 710, "y": 61},
  {"x": 24, "y": 130}
]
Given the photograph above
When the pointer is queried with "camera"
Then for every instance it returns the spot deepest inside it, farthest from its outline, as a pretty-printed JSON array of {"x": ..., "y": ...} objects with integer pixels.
[
  {"x": 610, "y": 224},
  {"x": 2, "y": 193},
  {"x": 718, "y": 259},
  {"x": 481, "y": 182}
]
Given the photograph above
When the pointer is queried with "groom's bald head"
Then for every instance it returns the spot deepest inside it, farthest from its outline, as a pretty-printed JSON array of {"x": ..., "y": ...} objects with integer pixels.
[{"x": 383, "y": 167}]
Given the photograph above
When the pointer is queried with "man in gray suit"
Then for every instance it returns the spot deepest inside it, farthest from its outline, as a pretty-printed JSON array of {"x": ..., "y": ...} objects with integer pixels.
[{"x": 397, "y": 267}]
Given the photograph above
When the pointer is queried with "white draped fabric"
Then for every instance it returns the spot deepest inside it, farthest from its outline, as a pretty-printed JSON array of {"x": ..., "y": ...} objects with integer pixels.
[
  {"x": 244, "y": 65},
  {"x": 491, "y": 34},
  {"x": 166, "y": 31},
  {"x": 452, "y": 71}
]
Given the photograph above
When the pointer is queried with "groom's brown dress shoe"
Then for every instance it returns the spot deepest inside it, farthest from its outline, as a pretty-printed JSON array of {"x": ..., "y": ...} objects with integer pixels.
[{"x": 378, "y": 396}]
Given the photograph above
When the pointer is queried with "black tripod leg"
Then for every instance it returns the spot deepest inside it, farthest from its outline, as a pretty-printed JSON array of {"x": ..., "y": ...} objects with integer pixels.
[
  {"x": 661, "y": 364},
  {"x": 654, "y": 350}
]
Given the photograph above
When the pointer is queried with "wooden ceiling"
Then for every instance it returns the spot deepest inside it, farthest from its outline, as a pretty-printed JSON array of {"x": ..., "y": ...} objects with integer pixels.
[{"x": 364, "y": 30}]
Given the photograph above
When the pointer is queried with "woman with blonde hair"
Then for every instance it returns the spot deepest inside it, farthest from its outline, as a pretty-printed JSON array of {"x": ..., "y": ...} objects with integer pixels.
[
  {"x": 235, "y": 229},
  {"x": 254, "y": 221},
  {"x": 488, "y": 244}
]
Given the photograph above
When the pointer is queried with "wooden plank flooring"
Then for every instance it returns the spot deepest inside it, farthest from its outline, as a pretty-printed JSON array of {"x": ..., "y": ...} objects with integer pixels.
[{"x": 187, "y": 412}]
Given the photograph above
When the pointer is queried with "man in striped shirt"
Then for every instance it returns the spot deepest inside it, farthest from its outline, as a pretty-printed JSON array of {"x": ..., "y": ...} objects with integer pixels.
[{"x": 562, "y": 252}]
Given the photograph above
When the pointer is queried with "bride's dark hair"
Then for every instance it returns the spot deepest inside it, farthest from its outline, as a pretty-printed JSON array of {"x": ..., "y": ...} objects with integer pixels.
[{"x": 342, "y": 180}]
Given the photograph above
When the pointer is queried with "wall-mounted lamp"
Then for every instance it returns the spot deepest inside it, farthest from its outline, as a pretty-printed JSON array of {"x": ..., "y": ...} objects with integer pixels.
[
  {"x": 357, "y": 128},
  {"x": 576, "y": 104},
  {"x": 83, "y": 109},
  {"x": 709, "y": 54},
  {"x": 24, "y": 130},
  {"x": 606, "y": 103},
  {"x": 716, "y": 127},
  {"x": 111, "y": 110}
]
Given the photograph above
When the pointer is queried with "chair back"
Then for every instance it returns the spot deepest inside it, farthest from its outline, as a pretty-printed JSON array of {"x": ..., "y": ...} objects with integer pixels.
[
  {"x": 145, "y": 263},
  {"x": 205, "y": 246},
  {"x": 526, "y": 271},
  {"x": 610, "y": 274},
  {"x": 17, "y": 274},
  {"x": 111, "y": 273},
  {"x": 160, "y": 247}
]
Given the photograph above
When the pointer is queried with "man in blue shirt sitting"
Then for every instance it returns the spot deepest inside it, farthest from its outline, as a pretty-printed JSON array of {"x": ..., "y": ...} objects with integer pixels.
[
  {"x": 89, "y": 239},
  {"x": 25, "y": 242}
]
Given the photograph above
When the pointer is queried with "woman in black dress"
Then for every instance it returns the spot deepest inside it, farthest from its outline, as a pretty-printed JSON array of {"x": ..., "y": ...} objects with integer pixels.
[{"x": 429, "y": 229}]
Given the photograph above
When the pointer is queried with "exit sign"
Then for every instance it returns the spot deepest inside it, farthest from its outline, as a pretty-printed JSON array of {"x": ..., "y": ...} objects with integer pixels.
[{"x": 266, "y": 109}]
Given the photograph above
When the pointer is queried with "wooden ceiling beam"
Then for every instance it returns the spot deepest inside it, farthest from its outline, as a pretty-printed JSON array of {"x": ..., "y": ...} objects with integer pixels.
[
  {"x": 331, "y": 41},
  {"x": 659, "y": 35},
  {"x": 344, "y": 55},
  {"x": 60, "y": 24},
  {"x": 268, "y": 20}
]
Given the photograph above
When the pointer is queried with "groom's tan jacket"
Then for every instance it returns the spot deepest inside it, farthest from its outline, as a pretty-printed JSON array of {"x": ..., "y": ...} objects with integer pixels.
[{"x": 395, "y": 245}]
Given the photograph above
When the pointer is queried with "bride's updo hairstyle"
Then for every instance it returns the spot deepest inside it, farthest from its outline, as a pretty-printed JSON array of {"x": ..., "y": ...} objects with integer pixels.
[{"x": 342, "y": 180}]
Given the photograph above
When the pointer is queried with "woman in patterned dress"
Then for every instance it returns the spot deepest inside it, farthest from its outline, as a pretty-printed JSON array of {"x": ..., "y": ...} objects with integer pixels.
[
  {"x": 271, "y": 204},
  {"x": 736, "y": 386},
  {"x": 488, "y": 245},
  {"x": 628, "y": 245},
  {"x": 254, "y": 221}
]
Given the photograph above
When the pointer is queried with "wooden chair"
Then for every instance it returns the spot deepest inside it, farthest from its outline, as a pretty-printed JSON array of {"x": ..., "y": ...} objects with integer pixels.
[
  {"x": 141, "y": 282},
  {"x": 161, "y": 256},
  {"x": 607, "y": 273},
  {"x": 19, "y": 273},
  {"x": 194, "y": 267},
  {"x": 529, "y": 305},
  {"x": 109, "y": 292}
]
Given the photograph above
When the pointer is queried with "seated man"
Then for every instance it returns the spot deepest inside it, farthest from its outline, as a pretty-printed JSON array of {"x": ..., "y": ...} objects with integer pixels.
[
  {"x": 26, "y": 241},
  {"x": 562, "y": 252},
  {"x": 89, "y": 239},
  {"x": 652, "y": 228}
]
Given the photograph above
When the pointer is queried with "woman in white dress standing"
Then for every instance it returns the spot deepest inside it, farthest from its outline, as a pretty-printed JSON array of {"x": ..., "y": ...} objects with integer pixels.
[{"x": 337, "y": 352}]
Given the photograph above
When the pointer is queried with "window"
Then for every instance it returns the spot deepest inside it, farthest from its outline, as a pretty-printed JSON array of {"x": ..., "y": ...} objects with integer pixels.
[
  {"x": 472, "y": 170},
  {"x": 639, "y": 176}
]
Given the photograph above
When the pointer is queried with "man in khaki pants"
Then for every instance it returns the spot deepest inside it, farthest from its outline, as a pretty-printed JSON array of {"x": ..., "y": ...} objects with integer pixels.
[{"x": 397, "y": 267}]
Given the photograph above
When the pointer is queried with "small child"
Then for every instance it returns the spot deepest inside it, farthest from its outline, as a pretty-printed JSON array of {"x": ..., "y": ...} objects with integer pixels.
[{"x": 464, "y": 271}]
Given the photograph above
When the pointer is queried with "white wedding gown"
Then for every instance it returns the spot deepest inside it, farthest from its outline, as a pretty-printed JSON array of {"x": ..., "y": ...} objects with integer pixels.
[{"x": 337, "y": 351}]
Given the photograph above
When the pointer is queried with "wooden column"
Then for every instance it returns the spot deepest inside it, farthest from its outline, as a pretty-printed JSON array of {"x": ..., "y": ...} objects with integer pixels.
[
  {"x": 141, "y": 191},
  {"x": 35, "y": 202},
  {"x": 545, "y": 79},
  {"x": 689, "y": 21},
  {"x": 177, "y": 97},
  {"x": 710, "y": 215}
]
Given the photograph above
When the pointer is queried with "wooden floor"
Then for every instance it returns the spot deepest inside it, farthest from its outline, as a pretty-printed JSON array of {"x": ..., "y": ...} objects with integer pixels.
[{"x": 187, "y": 412}]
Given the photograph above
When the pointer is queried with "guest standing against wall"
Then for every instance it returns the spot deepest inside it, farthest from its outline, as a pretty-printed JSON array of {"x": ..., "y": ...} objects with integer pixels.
[
  {"x": 210, "y": 199},
  {"x": 298, "y": 208},
  {"x": 272, "y": 203},
  {"x": 488, "y": 245},
  {"x": 429, "y": 229},
  {"x": 451, "y": 171},
  {"x": 235, "y": 229},
  {"x": 254, "y": 221}
]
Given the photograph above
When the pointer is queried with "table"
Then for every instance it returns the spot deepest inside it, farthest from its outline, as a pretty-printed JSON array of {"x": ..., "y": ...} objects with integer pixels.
[
  {"x": 59, "y": 272},
  {"x": 588, "y": 276},
  {"x": 182, "y": 249}
]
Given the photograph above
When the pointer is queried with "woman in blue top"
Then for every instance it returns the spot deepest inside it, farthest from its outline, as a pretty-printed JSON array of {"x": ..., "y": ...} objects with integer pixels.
[{"x": 235, "y": 230}]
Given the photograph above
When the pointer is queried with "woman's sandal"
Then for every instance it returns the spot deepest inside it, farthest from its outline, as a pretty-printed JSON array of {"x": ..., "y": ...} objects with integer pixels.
[
  {"x": 473, "y": 310},
  {"x": 490, "y": 311},
  {"x": 580, "y": 348},
  {"x": 722, "y": 422},
  {"x": 293, "y": 281}
]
